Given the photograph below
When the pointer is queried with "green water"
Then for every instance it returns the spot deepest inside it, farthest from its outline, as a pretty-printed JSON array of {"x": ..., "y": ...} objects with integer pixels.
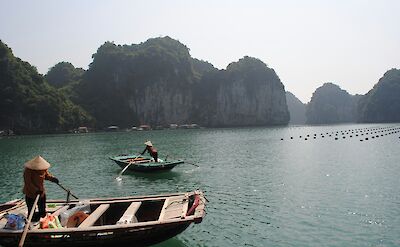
[{"x": 262, "y": 191}]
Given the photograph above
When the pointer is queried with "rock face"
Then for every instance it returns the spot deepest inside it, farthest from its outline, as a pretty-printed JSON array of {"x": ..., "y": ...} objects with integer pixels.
[
  {"x": 148, "y": 83},
  {"x": 330, "y": 104},
  {"x": 157, "y": 82},
  {"x": 296, "y": 109},
  {"x": 382, "y": 103},
  {"x": 246, "y": 93}
]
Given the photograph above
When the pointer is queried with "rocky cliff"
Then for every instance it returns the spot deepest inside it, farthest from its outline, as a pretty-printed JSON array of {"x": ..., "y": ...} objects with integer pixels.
[
  {"x": 330, "y": 104},
  {"x": 382, "y": 103},
  {"x": 296, "y": 109},
  {"x": 246, "y": 93},
  {"x": 157, "y": 82},
  {"x": 147, "y": 83}
]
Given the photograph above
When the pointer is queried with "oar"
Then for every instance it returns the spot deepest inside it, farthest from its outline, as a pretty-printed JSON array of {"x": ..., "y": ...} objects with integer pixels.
[
  {"x": 22, "y": 241},
  {"x": 193, "y": 164},
  {"x": 68, "y": 191},
  {"x": 123, "y": 170}
]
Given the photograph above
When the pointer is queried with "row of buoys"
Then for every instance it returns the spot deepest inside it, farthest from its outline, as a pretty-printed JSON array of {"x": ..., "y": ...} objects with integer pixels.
[
  {"x": 393, "y": 131},
  {"x": 354, "y": 133}
]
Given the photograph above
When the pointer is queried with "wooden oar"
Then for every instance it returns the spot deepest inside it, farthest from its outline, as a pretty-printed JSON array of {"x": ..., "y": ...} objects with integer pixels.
[
  {"x": 25, "y": 232},
  {"x": 193, "y": 164},
  {"x": 123, "y": 170},
  {"x": 68, "y": 191}
]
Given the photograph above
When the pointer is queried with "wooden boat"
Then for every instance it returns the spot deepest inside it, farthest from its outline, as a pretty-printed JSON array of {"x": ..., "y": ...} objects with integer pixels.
[
  {"x": 125, "y": 221},
  {"x": 144, "y": 164}
]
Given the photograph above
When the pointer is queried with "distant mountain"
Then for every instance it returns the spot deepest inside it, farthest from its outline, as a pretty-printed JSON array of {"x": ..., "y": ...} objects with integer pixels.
[
  {"x": 296, "y": 109},
  {"x": 65, "y": 77},
  {"x": 29, "y": 104},
  {"x": 330, "y": 104},
  {"x": 382, "y": 103},
  {"x": 63, "y": 74}
]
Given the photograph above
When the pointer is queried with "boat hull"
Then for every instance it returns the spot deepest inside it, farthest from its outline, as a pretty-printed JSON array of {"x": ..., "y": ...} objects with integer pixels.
[
  {"x": 127, "y": 237},
  {"x": 123, "y": 161},
  {"x": 158, "y": 218}
]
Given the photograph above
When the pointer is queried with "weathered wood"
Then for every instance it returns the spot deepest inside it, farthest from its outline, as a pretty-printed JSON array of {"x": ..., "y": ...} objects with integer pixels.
[
  {"x": 93, "y": 217},
  {"x": 94, "y": 232},
  {"x": 129, "y": 215},
  {"x": 172, "y": 208},
  {"x": 26, "y": 228},
  {"x": 185, "y": 207}
]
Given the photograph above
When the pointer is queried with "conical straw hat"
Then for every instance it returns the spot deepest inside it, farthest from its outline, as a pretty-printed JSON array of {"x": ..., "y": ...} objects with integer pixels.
[
  {"x": 37, "y": 163},
  {"x": 148, "y": 143}
]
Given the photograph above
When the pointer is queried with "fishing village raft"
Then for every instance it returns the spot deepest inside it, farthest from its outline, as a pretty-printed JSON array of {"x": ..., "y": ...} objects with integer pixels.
[
  {"x": 123, "y": 221},
  {"x": 141, "y": 163}
]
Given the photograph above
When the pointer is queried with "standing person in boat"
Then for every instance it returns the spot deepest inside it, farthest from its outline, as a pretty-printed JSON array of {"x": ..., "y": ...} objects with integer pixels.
[
  {"x": 152, "y": 151},
  {"x": 34, "y": 175}
]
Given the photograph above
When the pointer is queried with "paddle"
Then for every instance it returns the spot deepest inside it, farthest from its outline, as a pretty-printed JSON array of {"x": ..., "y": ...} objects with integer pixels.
[
  {"x": 123, "y": 170},
  {"x": 68, "y": 191},
  {"x": 193, "y": 164},
  {"x": 25, "y": 232}
]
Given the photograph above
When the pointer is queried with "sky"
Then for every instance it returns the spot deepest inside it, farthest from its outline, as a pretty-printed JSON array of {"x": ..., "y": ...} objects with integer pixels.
[{"x": 351, "y": 43}]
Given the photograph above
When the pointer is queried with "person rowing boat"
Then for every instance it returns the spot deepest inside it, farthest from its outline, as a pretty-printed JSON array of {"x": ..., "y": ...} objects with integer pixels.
[
  {"x": 152, "y": 151},
  {"x": 35, "y": 172}
]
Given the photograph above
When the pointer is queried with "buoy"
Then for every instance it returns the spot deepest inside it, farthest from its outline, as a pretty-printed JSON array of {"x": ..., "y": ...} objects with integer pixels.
[
  {"x": 281, "y": 139},
  {"x": 361, "y": 140},
  {"x": 336, "y": 138},
  {"x": 305, "y": 139},
  {"x": 291, "y": 137},
  {"x": 366, "y": 139}
]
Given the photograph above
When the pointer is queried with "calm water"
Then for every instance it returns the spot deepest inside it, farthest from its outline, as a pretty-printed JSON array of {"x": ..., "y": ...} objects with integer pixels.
[{"x": 262, "y": 191}]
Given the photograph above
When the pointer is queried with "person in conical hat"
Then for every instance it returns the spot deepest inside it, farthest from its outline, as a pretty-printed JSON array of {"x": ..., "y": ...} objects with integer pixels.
[
  {"x": 152, "y": 151},
  {"x": 35, "y": 172}
]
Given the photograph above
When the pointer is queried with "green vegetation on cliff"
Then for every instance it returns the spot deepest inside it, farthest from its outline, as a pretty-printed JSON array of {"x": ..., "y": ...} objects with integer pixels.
[
  {"x": 147, "y": 83},
  {"x": 330, "y": 104},
  {"x": 28, "y": 103},
  {"x": 382, "y": 103}
]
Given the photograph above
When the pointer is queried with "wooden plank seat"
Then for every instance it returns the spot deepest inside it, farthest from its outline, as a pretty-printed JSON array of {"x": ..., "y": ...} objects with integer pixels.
[
  {"x": 94, "y": 216},
  {"x": 129, "y": 215},
  {"x": 174, "y": 207}
]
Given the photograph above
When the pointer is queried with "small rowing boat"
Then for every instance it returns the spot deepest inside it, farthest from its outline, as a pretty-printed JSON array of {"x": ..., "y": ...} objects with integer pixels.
[
  {"x": 123, "y": 221},
  {"x": 141, "y": 163}
]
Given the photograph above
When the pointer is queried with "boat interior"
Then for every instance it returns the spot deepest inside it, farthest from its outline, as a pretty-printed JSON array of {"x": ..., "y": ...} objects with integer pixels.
[{"x": 110, "y": 211}]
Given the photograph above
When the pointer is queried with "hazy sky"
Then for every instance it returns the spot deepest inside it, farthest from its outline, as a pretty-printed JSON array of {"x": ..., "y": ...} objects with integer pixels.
[{"x": 348, "y": 42}]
